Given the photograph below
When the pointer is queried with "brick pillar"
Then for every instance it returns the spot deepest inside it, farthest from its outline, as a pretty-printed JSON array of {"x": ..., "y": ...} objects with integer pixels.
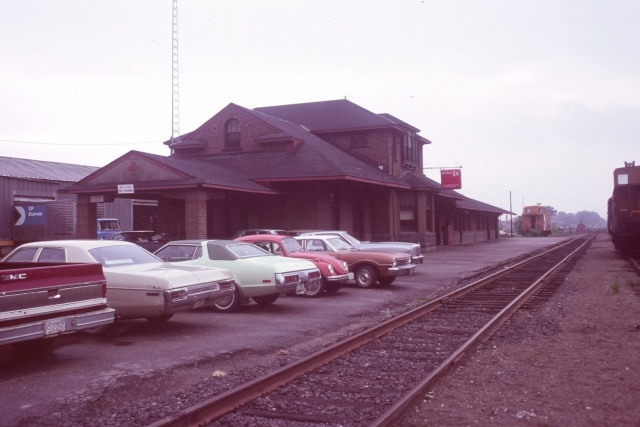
[
  {"x": 421, "y": 212},
  {"x": 86, "y": 218},
  {"x": 195, "y": 214},
  {"x": 393, "y": 218}
]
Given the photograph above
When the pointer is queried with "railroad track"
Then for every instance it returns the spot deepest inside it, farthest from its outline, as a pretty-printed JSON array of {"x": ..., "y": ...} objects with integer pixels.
[{"x": 370, "y": 378}]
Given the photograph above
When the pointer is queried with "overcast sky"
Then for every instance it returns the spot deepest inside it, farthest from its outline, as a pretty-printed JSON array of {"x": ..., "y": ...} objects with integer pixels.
[{"x": 537, "y": 100}]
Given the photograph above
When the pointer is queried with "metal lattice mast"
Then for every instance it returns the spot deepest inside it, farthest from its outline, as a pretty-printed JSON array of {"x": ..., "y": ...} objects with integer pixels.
[{"x": 175, "y": 97}]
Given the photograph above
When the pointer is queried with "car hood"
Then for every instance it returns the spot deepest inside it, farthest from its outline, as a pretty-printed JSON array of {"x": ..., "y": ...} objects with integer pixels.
[
  {"x": 315, "y": 256},
  {"x": 163, "y": 276},
  {"x": 376, "y": 256},
  {"x": 282, "y": 264},
  {"x": 389, "y": 246}
]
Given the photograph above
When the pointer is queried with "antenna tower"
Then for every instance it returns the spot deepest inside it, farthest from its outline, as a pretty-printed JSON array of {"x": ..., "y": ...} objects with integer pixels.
[{"x": 175, "y": 97}]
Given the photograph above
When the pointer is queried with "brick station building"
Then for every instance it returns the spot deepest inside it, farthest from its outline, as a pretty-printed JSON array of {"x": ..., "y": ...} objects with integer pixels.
[{"x": 318, "y": 165}]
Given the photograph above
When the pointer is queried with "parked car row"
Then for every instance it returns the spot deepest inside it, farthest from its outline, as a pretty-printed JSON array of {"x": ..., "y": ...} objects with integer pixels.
[
  {"x": 368, "y": 267},
  {"x": 260, "y": 275},
  {"x": 414, "y": 250},
  {"x": 221, "y": 274},
  {"x": 139, "y": 285},
  {"x": 335, "y": 273}
]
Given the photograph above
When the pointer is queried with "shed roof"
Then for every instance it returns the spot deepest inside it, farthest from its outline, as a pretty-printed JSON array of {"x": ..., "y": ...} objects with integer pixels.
[
  {"x": 475, "y": 205},
  {"x": 42, "y": 170}
]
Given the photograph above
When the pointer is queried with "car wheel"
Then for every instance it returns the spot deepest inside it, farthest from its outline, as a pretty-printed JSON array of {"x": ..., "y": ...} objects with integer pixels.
[
  {"x": 98, "y": 330},
  {"x": 386, "y": 281},
  {"x": 332, "y": 289},
  {"x": 315, "y": 289},
  {"x": 160, "y": 319},
  {"x": 265, "y": 299},
  {"x": 228, "y": 304},
  {"x": 366, "y": 276}
]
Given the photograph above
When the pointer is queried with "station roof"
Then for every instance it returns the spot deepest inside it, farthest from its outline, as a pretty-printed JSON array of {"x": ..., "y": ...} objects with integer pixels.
[{"x": 335, "y": 115}]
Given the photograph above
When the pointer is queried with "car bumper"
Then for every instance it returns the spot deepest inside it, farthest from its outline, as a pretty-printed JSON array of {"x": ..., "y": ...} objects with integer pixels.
[
  {"x": 306, "y": 278},
  {"x": 340, "y": 278},
  {"x": 56, "y": 326},
  {"x": 195, "y": 296},
  {"x": 404, "y": 270}
]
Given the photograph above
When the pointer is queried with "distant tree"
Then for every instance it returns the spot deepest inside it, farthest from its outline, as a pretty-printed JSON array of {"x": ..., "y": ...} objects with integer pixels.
[
  {"x": 517, "y": 225},
  {"x": 552, "y": 211},
  {"x": 588, "y": 218}
]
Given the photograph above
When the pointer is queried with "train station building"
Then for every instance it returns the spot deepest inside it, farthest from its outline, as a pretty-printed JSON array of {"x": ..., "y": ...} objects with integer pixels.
[{"x": 319, "y": 165}]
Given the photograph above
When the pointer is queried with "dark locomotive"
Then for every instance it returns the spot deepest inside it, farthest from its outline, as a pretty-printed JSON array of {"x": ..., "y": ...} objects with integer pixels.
[{"x": 623, "y": 208}]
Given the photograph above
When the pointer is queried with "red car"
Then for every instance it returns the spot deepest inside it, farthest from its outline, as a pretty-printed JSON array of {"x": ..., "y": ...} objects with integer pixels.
[{"x": 335, "y": 273}]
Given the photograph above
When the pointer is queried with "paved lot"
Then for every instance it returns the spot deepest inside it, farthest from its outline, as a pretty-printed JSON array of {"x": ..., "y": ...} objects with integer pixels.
[{"x": 192, "y": 344}]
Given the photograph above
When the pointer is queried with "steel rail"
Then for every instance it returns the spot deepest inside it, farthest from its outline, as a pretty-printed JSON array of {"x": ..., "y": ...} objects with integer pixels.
[
  {"x": 489, "y": 328},
  {"x": 228, "y": 401}
]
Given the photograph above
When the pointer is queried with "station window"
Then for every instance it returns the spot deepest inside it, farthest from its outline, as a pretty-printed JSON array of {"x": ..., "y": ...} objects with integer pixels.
[
  {"x": 232, "y": 135},
  {"x": 408, "y": 217},
  {"x": 411, "y": 149}
]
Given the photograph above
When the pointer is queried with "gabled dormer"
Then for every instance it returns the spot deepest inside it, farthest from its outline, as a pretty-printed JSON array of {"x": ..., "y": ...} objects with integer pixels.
[{"x": 235, "y": 129}]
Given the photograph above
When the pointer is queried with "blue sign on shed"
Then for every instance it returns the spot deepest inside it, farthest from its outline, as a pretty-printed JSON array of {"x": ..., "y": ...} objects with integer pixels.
[{"x": 31, "y": 215}]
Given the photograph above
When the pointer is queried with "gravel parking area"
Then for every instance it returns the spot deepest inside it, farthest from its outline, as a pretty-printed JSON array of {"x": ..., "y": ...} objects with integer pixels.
[{"x": 573, "y": 362}]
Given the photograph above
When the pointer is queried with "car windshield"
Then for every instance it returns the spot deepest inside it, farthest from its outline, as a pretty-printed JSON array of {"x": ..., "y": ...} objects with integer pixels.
[
  {"x": 117, "y": 256},
  {"x": 108, "y": 225},
  {"x": 350, "y": 239},
  {"x": 339, "y": 244},
  {"x": 291, "y": 245},
  {"x": 247, "y": 250},
  {"x": 176, "y": 253}
]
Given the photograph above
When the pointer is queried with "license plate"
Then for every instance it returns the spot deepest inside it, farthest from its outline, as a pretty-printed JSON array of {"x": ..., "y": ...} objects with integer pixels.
[
  {"x": 198, "y": 303},
  {"x": 351, "y": 276},
  {"x": 300, "y": 289},
  {"x": 54, "y": 326}
]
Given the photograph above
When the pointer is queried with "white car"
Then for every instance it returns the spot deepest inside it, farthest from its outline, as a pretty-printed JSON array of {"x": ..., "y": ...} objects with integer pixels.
[
  {"x": 259, "y": 274},
  {"x": 139, "y": 285}
]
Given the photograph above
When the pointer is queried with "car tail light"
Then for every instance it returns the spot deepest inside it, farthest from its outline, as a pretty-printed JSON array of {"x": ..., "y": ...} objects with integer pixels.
[
  {"x": 292, "y": 278},
  {"x": 178, "y": 295},
  {"x": 314, "y": 274},
  {"x": 227, "y": 285}
]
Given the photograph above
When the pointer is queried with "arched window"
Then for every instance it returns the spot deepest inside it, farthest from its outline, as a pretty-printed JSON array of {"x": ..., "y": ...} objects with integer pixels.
[{"x": 232, "y": 135}]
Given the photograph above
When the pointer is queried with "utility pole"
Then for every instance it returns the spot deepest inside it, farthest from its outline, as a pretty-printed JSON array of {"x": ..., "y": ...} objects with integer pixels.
[
  {"x": 510, "y": 215},
  {"x": 175, "y": 97}
]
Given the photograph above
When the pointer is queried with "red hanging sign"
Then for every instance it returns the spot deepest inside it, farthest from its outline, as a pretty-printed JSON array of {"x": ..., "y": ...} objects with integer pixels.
[{"x": 451, "y": 179}]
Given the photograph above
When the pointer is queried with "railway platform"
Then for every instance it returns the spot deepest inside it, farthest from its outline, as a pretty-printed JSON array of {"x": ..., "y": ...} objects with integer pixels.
[{"x": 451, "y": 263}]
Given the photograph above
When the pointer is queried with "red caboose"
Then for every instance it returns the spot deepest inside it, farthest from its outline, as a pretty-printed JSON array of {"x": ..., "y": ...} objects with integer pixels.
[{"x": 536, "y": 220}]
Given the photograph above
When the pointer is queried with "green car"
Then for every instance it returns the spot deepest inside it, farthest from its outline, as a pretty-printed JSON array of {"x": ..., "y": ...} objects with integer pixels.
[{"x": 260, "y": 275}]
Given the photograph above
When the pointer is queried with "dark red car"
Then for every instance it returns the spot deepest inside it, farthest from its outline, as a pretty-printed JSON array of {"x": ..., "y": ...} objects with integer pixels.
[{"x": 335, "y": 273}]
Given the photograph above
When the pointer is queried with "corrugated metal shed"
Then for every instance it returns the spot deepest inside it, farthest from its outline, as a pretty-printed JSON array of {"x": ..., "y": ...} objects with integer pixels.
[
  {"x": 32, "y": 179},
  {"x": 42, "y": 170}
]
